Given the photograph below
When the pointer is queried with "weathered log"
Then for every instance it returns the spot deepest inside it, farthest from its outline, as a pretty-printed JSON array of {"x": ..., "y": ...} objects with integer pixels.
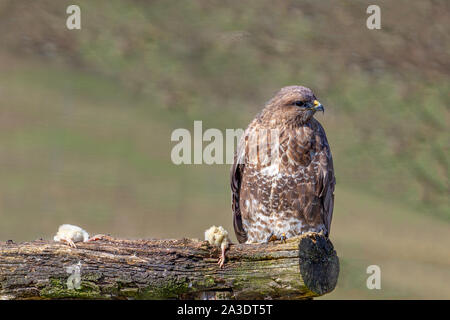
[{"x": 303, "y": 267}]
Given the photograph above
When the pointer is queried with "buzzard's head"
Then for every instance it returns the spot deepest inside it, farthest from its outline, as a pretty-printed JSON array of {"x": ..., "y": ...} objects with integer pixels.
[{"x": 295, "y": 103}]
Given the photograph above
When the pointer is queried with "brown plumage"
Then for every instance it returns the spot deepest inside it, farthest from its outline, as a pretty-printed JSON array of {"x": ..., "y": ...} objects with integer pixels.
[{"x": 282, "y": 179}]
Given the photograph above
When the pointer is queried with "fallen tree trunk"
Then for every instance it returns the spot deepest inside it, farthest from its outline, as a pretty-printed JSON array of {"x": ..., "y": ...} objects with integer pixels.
[{"x": 303, "y": 267}]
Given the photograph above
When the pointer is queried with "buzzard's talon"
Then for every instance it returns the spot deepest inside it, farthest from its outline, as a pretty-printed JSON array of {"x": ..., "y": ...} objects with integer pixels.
[{"x": 272, "y": 238}]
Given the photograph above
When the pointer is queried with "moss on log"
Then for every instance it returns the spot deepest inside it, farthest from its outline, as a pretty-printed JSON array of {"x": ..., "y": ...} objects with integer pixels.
[{"x": 302, "y": 268}]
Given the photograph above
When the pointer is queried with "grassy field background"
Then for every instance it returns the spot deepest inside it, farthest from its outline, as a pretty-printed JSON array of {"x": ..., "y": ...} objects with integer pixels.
[{"x": 86, "y": 118}]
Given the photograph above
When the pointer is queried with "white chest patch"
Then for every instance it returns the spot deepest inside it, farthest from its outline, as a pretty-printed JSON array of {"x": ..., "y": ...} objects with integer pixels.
[{"x": 271, "y": 170}]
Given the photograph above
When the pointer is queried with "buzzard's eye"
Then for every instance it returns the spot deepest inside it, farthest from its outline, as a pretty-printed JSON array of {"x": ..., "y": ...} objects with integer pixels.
[{"x": 299, "y": 103}]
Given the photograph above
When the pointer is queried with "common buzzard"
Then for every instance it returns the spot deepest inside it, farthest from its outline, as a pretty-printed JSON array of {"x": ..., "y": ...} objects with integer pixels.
[{"x": 282, "y": 179}]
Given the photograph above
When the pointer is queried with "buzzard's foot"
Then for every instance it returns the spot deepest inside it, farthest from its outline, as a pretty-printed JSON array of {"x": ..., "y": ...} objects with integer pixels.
[
  {"x": 272, "y": 238},
  {"x": 96, "y": 237},
  {"x": 222, "y": 258}
]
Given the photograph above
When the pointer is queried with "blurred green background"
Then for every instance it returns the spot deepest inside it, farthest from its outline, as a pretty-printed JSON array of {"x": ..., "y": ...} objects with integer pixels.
[{"x": 86, "y": 118}]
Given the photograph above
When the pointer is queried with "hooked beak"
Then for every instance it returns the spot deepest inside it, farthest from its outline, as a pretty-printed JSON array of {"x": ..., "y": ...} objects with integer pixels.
[{"x": 318, "y": 106}]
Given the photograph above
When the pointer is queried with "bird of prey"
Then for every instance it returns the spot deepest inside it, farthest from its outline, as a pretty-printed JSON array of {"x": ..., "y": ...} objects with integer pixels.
[{"x": 282, "y": 179}]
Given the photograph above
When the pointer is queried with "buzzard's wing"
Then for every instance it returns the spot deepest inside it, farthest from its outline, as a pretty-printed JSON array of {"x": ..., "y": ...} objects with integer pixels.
[
  {"x": 327, "y": 181},
  {"x": 236, "y": 177}
]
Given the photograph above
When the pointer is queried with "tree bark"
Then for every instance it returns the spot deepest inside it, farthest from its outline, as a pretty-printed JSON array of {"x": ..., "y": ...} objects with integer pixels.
[{"x": 304, "y": 267}]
